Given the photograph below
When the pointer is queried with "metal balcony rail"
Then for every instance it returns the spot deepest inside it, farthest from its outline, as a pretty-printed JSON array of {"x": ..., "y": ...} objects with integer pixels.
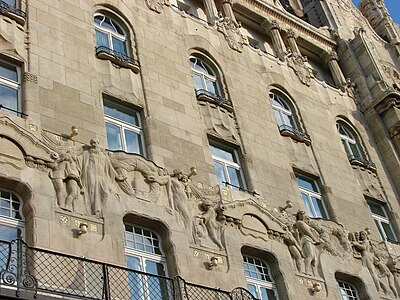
[
  {"x": 362, "y": 161},
  {"x": 19, "y": 113},
  {"x": 6, "y": 8},
  {"x": 300, "y": 135},
  {"x": 119, "y": 56},
  {"x": 29, "y": 269},
  {"x": 200, "y": 94},
  {"x": 253, "y": 193}
]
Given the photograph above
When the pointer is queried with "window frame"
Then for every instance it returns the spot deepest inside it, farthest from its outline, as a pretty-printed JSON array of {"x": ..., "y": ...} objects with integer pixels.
[
  {"x": 214, "y": 78},
  {"x": 312, "y": 194},
  {"x": 258, "y": 283},
  {"x": 138, "y": 129},
  {"x": 378, "y": 220},
  {"x": 350, "y": 138},
  {"x": 226, "y": 163},
  {"x": 352, "y": 288},
  {"x": 110, "y": 34},
  {"x": 286, "y": 108},
  {"x": 12, "y": 222},
  {"x": 15, "y": 85}
]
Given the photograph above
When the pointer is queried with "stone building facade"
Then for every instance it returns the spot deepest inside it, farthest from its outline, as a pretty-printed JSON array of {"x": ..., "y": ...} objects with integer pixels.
[{"x": 246, "y": 149}]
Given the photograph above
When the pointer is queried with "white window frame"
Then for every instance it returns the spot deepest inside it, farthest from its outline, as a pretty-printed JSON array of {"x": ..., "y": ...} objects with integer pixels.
[
  {"x": 379, "y": 220},
  {"x": 227, "y": 163},
  {"x": 206, "y": 76},
  {"x": 123, "y": 125},
  {"x": 274, "y": 95},
  {"x": 314, "y": 194},
  {"x": 14, "y": 222},
  {"x": 122, "y": 37},
  {"x": 349, "y": 138},
  {"x": 352, "y": 288},
  {"x": 270, "y": 285},
  {"x": 15, "y": 85}
]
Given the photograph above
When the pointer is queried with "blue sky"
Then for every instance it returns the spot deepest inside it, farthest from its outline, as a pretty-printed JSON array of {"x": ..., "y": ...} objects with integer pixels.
[{"x": 393, "y": 7}]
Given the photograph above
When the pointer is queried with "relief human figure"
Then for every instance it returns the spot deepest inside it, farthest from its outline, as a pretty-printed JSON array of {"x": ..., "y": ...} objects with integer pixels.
[
  {"x": 308, "y": 240},
  {"x": 179, "y": 196},
  {"x": 364, "y": 247},
  {"x": 57, "y": 175},
  {"x": 294, "y": 248},
  {"x": 97, "y": 175},
  {"x": 73, "y": 180},
  {"x": 384, "y": 272},
  {"x": 206, "y": 222}
]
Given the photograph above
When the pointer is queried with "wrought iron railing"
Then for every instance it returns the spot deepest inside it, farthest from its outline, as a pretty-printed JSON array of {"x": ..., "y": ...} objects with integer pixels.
[
  {"x": 19, "y": 113},
  {"x": 28, "y": 269},
  {"x": 211, "y": 97},
  {"x": 6, "y": 8},
  {"x": 358, "y": 160},
  {"x": 294, "y": 133},
  {"x": 240, "y": 188},
  {"x": 117, "y": 56}
]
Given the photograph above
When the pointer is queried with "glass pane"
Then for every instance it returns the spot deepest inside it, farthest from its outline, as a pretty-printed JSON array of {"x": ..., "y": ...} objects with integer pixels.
[
  {"x": 9, "y": 97},
  {"x": 157, "y": 287},
  {"x": 388, "y": 231},
  {"x": 307, "y": 203},
  {"x": 306, "y": 183},
  {"x": 355, "y": 150},
  {"x": 8, "y": 233},
  {"x": 219, "y": 170},
  {"x": 318, "y": 207},
  {"x": 278, "y": 117},
  {"x": 102, "y": 39},
  {"x": 133, "y": 263},
  {"x": 267, "y": 294},
  {"x": 121, "y": 114},
  {"x": 135, "y": 280},
  {"x": 253, "y": 290},
  {"x": 108, "y": 24},
  {"x": 234, "y": 177},
  {"x": 133, "y": 142},
  {"x": 155, "y": 268},
  {"x": 198, "y": 82},
  {"x": 119, "y": 45},
  {"x": 8, "y": 71},
  {"x": 226, "y": 155},
  {"x": 377, "y": 209},
  {"x": 287, "y": 120},
  {"x": 211, "y": 86},
  {"x": 113, "y": 136},
  {"x": 380, "y": 229}
]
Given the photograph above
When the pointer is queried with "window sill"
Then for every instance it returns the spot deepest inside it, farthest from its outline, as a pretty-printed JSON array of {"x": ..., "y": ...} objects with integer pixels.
[
  {"x": 362, "y": 162},
  {"x": 118, "y": 58},
  {"x": 296, "y": 135},
  {"x": 13, "y": 13},
  {"x": 203, "y": 95}
]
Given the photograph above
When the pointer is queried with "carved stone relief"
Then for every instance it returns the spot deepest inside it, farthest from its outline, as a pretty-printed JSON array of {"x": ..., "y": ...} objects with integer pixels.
[
  {"x": 301, "y": 68},
  {"x": 231, "y": 30}
]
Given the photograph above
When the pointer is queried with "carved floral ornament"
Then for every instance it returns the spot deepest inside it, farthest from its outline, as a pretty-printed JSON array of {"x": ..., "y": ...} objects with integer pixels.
[{"x": 301, "y": 68}]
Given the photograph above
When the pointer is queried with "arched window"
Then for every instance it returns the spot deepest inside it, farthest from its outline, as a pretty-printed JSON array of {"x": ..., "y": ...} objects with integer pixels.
[
  {"x": 347, "y": 291},
  {"x": 282, "y": 110},
  {"x": 259, "y": 280},
  {"x": 204, "y": 76},
  {"x": 143, "y": 253},
  {"x": 11, "y": 221},
  {"x": 109, "y": 34}
]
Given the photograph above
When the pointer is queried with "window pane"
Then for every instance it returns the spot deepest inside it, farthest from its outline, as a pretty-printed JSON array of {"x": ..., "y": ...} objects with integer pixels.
[
  {"x": 267, "y": 294},
  {"x": 219, "y": 170},
  {"x": 8, "y": 71},
  {"x": 9, "y": 97},
  {"x": 102, "y": 39},
  {"x": 286, "y": 120},
  {"x": 198, "y": 82},
  {"x": 355, "y": 150},
  {"x": 388, "y": 231},
  {"x": 121, "y": 113},
  {"x": 306, "y": 183},
  {"x": 380, "y": 229},
  {"x": 234, "y": 177},
  {"x": 278, "y": 117},
  {"x": 8, "y": 233},
  {"x": 253, "y": 290},
  {"x": 113, "y": 137},
  {"x": 133, "y": 142},
  {"x": 319, "y": 208},
  {"x": 211, "y": 86},
  {"x": 155, "y": 268},
  {"x": 135, "y": 280},
  {"x": 118, "y": 45},
  {"x": 218, "y": 152},
  {"x": 307, "y": 203},
  {"x": 377, "y": 209}
]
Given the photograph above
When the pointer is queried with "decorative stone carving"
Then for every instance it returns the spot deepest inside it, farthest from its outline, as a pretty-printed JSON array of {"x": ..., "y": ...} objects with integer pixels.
[
  {"x": 30, "y": 77},
  {"x": 155, "y": 5},
  {"x": 301, "y": 68},
  {"x": 289, "y": 238},
  {"x": 231, "y": 30}
]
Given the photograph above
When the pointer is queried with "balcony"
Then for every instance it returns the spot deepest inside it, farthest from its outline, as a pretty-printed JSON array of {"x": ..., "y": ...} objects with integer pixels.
[
  {"x": 286, "y": 130},
  {"x": 363, "y": 162},
  {"x": 204, "y": 95},
  {"x": 118, "y": 58},
  {"x": 27, "y": 272},
  {"x": 12, "y": 12}
]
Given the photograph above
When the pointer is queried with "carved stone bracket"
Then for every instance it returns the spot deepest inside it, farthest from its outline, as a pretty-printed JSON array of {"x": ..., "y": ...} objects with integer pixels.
[
  {"x": 30, "y": 77},
  {"x": 155, "y": 5},
  {"x": 231, "y": 30},
  {"x": 387, "y": 104},
  {"x": 301, "y": 68}
]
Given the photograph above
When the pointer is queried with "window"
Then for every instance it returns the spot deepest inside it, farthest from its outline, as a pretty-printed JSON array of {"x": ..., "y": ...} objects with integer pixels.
[
  {"x": 347, "y": 291},
  {"x": 124, "y": 131},
  {"x": 259, "y": 279},
  {"x": 109, "y": 34},
  {"x": 204, "y": 76},
  {"x": 11, "y": 8},
  {"x": 227, "y": 166},
  {"x": 312, "y": 198},
  {"x": 282, "y": 111},
  {"x": 349, "y": 140},
  {"x": 382, "y": 221},
  {"x": 143, "y": 253},
  {"x": 10, "y": 87}
]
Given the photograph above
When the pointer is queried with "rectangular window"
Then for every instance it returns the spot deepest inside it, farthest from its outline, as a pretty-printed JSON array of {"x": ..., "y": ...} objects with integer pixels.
[
  {"x": 10, "y": 88},
  {"x": 382, "y": 222},
  {"x": 123, "y": 127},
  {"x": 312, "y": 197},
  {"x": 227, "y": 166}
]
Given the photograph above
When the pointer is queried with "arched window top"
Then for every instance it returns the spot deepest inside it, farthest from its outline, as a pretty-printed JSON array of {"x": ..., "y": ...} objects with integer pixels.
[
  {"x": 283, "y": 109},
  {"x": 205, "y": 76},
  {"x": 108, "y": 23},
  {"x": 350, "y": 140},
  {"x": 142, "y": 239}
]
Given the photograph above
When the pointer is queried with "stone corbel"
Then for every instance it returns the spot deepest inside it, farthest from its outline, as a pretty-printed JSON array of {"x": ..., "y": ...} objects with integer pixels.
[{"x": 387, "y": 104}]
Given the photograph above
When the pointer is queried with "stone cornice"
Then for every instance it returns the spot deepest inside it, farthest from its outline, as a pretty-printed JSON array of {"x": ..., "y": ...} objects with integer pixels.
[{"x": 303, "y": 29}]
